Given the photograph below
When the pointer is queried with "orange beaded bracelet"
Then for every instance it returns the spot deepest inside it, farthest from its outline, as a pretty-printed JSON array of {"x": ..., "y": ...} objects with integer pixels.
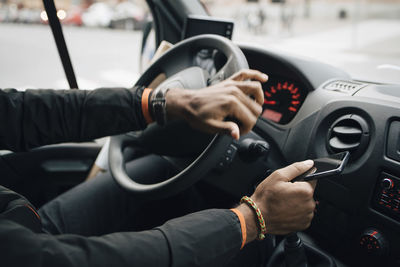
[{"x": 260, "y": 218}]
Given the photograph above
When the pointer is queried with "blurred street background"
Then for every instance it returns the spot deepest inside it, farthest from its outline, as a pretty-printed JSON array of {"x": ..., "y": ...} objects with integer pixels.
[{"x": 104, "y": 37}]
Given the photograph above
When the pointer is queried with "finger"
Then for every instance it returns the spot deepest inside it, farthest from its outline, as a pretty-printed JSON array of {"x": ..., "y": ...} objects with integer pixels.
[
  {"x": 302, "y": 189},
  {"x": 240, "y": 112},
  {"x": 251, "y": 88},
  {"x": 254, "y": 107},
  {"x": 308, "y": 219},
  {"x": 249, "y": 74},
  {"x": 224, "y": 127},
  {"x": 292, "y": 171}
]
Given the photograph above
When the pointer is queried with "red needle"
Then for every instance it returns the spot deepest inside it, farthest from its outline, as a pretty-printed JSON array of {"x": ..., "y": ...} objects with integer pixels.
[{"x": 269, "y": 102}]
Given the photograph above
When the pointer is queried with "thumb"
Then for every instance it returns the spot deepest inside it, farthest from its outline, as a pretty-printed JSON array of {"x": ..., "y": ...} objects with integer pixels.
[
  {"x": 226, "y": 127},
  {"x": 292, "y": 171}
]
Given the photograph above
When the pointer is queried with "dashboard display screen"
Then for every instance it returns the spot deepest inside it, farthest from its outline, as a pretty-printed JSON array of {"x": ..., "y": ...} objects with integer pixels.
[
  {"x": 272, "y": 115},
  {"x": 282, "y": 99}
]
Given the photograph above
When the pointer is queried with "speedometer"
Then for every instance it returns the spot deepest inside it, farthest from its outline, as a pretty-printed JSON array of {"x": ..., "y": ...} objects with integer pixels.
[{"x": 282, "y": 100}]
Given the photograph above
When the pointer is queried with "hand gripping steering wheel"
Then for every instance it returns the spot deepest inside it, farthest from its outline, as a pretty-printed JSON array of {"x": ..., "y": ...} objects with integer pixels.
[{"x": 176, "y": 138}]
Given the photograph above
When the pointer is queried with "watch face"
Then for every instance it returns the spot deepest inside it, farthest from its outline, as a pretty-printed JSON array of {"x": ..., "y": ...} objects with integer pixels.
[
  {"x": 160, "y": 94},
  {"x": 159, "y": 111},
  {"x": 158, "y": 105}
]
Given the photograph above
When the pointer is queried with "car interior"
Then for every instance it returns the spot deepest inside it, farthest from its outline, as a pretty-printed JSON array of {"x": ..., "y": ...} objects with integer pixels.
[{"x": 311, "y": 110}]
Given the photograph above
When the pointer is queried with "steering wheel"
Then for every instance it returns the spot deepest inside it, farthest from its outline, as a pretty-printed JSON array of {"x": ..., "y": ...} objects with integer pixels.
[{"x": 177, "y": 138}]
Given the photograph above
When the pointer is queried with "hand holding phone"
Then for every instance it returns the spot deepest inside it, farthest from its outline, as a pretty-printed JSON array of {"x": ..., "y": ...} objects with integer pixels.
[{"x": 325, "y": 167}]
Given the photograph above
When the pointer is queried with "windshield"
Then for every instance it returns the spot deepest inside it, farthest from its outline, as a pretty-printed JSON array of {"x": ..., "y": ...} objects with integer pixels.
[
  {"x": 103, "y": 39},
  {"x": 361, "y": 37}
]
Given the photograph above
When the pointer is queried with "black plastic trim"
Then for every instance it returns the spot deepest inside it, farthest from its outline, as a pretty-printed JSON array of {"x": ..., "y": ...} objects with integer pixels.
[{"x": 60, "y": 42}]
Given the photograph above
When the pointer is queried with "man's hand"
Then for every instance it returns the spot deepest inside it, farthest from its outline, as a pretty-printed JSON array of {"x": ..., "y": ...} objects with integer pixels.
[
  {"x": 230, "y": 107},
  {"x": 286, "y": 207}
]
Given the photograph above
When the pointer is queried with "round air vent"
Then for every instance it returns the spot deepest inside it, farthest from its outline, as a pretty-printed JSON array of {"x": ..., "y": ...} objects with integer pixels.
[{"x": 349, "y": 133}]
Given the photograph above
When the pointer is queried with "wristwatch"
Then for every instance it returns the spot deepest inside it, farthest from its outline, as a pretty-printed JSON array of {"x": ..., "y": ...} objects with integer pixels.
[{"x": 158, "y": 105}]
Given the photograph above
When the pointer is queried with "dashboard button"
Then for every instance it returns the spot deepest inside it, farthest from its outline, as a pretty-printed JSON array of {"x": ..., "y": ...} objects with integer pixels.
[{"x": 387, "y": 183}]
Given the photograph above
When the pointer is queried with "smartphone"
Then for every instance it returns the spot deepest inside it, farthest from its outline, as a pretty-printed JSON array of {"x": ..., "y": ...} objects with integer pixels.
[{"x": 325, "y": 167}]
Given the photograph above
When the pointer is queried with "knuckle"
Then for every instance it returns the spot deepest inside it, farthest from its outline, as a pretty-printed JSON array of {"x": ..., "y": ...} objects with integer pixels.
[
  {"x": 298, "y": 167},
  {"x": 256, "y": 84},
  {"x": 307, "y": 224},
  {"x": 235, "y": 91},
  {"x": 224, "y": 83},
  {"x": 244, "y": 71},
  {"x": 230, "y": 83},
  {"x": 308, "y": 208},
  {"x": 310, "y": 217},
  {"x": 307, "y": 192},
  {"x": 278, "y": 173},
  {"x": 226, "y": 128},
  {"x": 233, "y": 101},
  {"x": 253, "y": 121},
  {"x": 256, "y": 108},
  {"x": 233, "y": 104},
  {"x": 229, "y": 102},
  {"x": 259, "y": 109},
  {"x": 257, "y": 72},
  {"x": 251, "y": 85},
  {"x": 312, "y": 206},
  {"x": 244, "y": 74}
]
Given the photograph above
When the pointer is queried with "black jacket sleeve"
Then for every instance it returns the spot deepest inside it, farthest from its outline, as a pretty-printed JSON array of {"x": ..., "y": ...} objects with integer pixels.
[
  {"x": 40, "y": 117},
  {"x": 207, "y": 238}
]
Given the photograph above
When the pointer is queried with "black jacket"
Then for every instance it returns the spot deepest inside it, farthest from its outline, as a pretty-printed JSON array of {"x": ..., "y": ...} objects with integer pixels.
[{"x": 39, "y": 117}]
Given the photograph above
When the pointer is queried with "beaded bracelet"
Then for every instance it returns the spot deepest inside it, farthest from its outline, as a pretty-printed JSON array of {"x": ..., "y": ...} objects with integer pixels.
[{"x": 261, "y": 222}]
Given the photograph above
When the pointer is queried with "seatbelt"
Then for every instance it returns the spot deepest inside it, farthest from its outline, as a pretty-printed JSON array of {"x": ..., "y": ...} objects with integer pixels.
[{"x": 60, "y": 42}]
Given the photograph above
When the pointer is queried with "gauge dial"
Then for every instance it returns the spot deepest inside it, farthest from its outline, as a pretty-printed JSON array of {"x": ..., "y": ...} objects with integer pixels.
[{"x": 282, "y": 100}]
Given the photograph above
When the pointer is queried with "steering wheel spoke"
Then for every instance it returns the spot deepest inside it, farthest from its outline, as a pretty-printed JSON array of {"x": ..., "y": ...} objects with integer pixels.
[{"x": 225, "y": 72}]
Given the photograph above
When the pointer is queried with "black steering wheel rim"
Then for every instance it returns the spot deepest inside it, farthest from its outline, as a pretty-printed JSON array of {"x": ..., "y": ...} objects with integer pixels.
[{"x": 182, "y": 54}]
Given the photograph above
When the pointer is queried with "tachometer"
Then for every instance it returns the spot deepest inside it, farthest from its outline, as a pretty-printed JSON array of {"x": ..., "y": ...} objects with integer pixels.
[{"x": 282, "y": 100}]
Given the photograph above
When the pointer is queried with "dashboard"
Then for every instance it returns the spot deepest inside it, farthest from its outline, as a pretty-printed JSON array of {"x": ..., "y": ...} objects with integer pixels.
[{"x": 312, "y": 110}]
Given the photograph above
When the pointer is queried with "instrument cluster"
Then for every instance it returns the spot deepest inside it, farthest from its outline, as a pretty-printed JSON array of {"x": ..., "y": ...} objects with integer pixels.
[{"x": 282, "y": 99}]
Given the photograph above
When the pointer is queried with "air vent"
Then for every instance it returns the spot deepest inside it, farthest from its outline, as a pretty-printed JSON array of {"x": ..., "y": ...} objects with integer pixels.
[
  {"x": 347, "y": 87},
  {"x": 349, "y": 133}
]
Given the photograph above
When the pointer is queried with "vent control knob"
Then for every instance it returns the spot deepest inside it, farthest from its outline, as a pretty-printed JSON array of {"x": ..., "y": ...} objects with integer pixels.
[
  {"x": 348, "y": 133},
  {"x": 373, "y": 243}
]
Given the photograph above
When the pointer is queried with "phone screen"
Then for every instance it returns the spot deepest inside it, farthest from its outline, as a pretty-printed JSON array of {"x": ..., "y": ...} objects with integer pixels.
[{"x": 324, "y": 167}]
